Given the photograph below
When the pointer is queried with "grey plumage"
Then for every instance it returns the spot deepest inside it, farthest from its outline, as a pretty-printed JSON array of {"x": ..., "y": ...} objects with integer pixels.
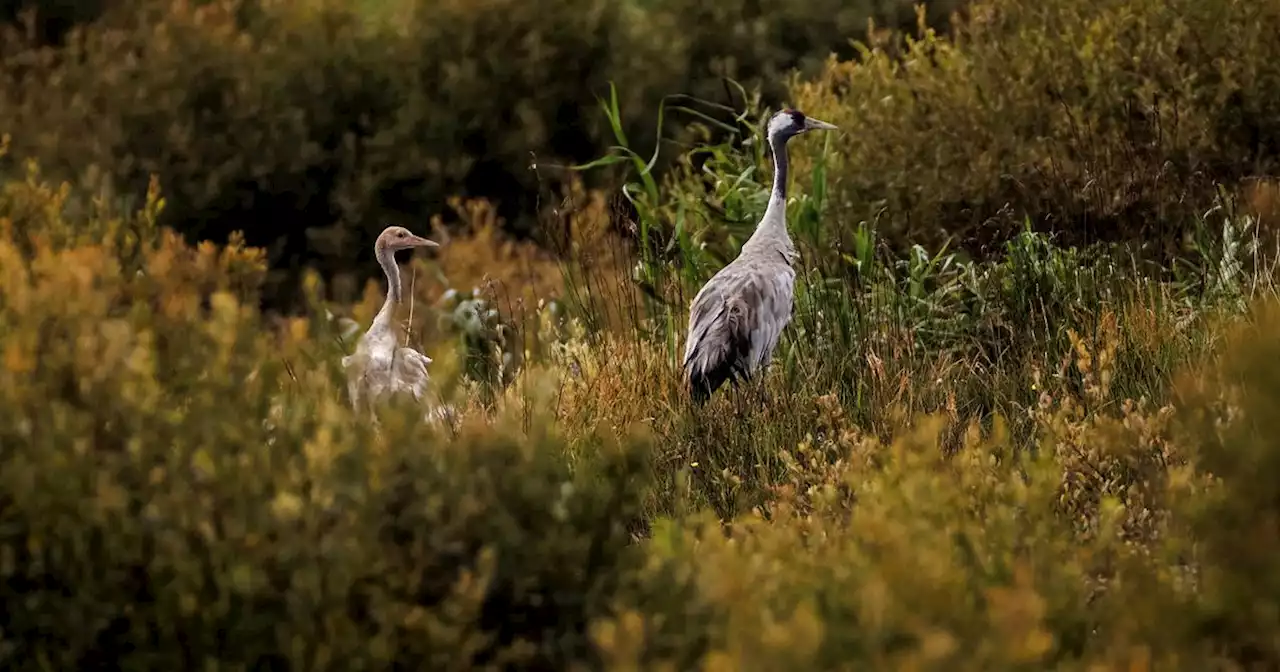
[{"x": 737, "y": 317}]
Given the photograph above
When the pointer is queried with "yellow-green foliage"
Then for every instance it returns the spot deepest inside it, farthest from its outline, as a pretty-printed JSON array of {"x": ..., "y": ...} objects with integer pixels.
[
  {"x": 519, "y": 273},
  {"x": 765, "y": 41},
  {"x": 312, "y": 124},
  {"x": 899, "y": 556},
  {"x": 1094, "y": 118},
  {"x": 184, "y": 486},
  {"x": 986, "y": 467}
]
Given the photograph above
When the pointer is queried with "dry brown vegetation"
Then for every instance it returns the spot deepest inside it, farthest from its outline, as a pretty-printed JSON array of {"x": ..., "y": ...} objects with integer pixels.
[{"x": 1054, "y": 456}]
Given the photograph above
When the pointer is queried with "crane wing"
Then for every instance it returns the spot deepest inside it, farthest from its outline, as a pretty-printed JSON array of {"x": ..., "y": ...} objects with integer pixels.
[
  {"x": 735, "y": 322},
  {"x": 380, "y": 366},
  {"x": 411, "y": 372}
]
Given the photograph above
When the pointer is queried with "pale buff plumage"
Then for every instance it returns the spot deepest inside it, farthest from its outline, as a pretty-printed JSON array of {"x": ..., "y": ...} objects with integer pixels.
[{"x": 380, "y": 366}]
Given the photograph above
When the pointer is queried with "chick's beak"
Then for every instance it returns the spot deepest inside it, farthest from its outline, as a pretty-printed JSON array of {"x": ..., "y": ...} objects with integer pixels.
[
  {"x": 811, "y": 124},
  {"x": 418, "y": 241}
]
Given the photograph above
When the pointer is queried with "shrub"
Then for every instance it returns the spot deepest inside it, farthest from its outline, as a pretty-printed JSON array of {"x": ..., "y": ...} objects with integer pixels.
[
  {"x": 185, "y": 487},
  {"x": 764, "y": 43},
  {"x": 309, "y": 125},
  {"x": 961, "y": 463},
  {"x": 1098, "y": 121},
  {"x": 52, "y": 18},
  {"x": 890, "y": 333},
  {"x": 351, "y": 125},
  {"x": 1133, "y": 537},
  {"x": 1228, "y": 422}
]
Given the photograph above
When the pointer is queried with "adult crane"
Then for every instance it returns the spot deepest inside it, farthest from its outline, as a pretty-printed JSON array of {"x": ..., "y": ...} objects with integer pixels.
[
  {"x": 736, "y": 318},
  {"x": 380, "y": 365}
]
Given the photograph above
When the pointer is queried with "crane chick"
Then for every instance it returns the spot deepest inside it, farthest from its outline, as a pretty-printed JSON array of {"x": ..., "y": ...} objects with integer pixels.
[
  {"x": 380, "y": 365},
  {"x": 736, "y": 318}
]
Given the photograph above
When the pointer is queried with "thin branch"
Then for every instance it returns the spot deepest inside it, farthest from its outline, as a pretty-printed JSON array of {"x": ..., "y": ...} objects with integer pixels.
[{"x": 413, "y": 280}]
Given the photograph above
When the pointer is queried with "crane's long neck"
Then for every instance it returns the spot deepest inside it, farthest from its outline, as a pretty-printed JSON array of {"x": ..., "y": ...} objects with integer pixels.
[
  {"x": 387, "y": 259},
  {"x": 771, "y": 232}
]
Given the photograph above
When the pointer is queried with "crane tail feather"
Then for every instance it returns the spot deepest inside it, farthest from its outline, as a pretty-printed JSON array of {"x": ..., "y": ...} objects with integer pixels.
[{"x": 703, "y": 383}]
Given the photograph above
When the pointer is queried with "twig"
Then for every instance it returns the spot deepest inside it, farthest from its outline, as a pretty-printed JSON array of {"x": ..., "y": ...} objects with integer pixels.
[{"x": 408, "y": 332}]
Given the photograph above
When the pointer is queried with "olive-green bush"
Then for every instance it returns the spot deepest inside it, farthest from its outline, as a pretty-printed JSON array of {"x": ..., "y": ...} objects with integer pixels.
[
  {"x": 308, "y": 126},
  {"x": 1130, "y": 537},
  {"x": 49, "y": 21},
  {"x": 184, "y": 486},
  {"x": 311, "y": 124},
  {"x": 763, "y": 43},
  {"x": 962, "y": 465},
  {"x": 1098, "y": 120}
]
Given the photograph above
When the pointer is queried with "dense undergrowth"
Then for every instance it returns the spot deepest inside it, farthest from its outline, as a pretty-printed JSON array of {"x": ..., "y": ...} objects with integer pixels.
[
  {"x": 184, "y": 482},
  {"x": 1057, "y": 456},
  {"x": 310, "y": 124}
]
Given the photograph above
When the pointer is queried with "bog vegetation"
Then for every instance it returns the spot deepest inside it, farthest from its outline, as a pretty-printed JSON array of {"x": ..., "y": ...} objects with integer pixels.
[{"x": 1019, "y": 421}]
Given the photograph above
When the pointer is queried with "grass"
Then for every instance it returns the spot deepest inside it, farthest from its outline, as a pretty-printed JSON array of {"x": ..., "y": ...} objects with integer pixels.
[
  {"x": 890, "y": 336},
  {"x": 1053, "y": 457}
]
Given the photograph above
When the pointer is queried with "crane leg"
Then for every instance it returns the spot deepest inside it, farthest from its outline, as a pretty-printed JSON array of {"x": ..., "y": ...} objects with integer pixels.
[
  {"x": 736, "y": 394},
  {"x": 754, "y": 390},
  {"x": 762, "y": 389}
]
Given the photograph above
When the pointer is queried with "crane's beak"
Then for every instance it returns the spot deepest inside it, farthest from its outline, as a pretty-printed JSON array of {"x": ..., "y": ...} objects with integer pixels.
[
  {"x": 811, "y": 124},
  {"x": 418, "y": 241}
]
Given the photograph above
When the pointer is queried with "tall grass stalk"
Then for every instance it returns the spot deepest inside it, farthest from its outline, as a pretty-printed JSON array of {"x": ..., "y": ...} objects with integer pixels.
[{"x": 887, "y": 335}]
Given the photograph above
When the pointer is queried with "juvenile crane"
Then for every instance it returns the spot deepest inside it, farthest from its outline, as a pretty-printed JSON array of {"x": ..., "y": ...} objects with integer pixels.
[
  {"x": 380, "y": 365},
  {"x": 736, "y": 318}
]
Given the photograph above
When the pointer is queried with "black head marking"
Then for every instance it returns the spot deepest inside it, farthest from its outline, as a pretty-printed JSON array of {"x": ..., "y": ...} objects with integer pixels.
[{"x": 797, "y": 117}]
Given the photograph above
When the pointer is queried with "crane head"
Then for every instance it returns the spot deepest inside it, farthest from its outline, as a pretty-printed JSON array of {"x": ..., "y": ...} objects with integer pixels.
[
  {"x": 399, "y": 238},
  {"x": 789, "y": 122}
]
